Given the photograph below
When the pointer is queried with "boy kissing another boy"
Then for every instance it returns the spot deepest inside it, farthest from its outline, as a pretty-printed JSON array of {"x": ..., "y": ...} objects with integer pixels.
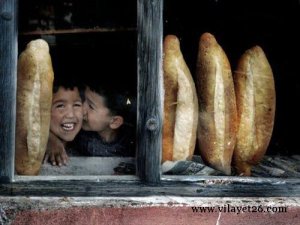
[{"x": 108, "y": 123}]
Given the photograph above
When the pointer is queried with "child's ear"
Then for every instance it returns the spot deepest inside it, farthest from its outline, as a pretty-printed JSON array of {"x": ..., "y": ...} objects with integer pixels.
[{"x": 116, "y": 122}]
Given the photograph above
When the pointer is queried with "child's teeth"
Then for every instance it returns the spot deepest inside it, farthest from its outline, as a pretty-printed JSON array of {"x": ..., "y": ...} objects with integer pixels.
[{"x": 68, "y": 126}]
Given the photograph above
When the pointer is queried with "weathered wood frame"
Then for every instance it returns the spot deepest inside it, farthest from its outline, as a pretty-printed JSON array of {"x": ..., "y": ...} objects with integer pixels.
[
  {"x": 149, "y": 53},
  {"x": 150, "y": 182},
  {"x": 8, "y": 81}
]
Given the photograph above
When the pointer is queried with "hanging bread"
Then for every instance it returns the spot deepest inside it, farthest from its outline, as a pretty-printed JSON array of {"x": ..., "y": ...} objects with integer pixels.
[
  {"x": 180, "y": 104},
  {"x": 34, "y": 96},
  {"x": 217, "y": 105},
  {"x": 255, "y": 93}
]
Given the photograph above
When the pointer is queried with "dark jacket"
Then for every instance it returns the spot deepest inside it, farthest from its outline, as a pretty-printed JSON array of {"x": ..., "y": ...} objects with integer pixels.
[{"x": 89, "y": 143}]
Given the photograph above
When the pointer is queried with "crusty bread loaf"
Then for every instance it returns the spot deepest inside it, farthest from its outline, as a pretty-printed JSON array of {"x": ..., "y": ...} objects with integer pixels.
[
  {"x": 180, "y": 104},
  {"x": 255, "y": 93},
  {"x": 217, "y": 105},
  {"x": 34, "y": 96}
]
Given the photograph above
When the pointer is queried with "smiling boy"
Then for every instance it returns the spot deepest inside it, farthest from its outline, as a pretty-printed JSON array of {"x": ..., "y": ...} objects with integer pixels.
[{"x": 66, "y": 121}]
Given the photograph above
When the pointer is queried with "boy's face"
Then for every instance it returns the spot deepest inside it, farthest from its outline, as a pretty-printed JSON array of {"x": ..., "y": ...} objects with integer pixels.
[
  {"x": 97, "y": 116},
  {"x": 66, "y": 113}
]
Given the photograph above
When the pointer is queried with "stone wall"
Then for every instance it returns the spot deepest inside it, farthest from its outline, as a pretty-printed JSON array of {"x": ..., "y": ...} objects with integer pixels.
[{"x": 148, "y": 210}]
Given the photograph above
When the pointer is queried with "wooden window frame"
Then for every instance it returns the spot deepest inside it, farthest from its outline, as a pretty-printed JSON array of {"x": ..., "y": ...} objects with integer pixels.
[{"x": 149, "y": 127}]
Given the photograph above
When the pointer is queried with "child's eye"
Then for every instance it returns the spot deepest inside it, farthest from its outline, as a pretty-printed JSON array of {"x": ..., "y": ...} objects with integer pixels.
[
  {"x": 60, "y": 106},
  {"x": 78, "y": 104}
]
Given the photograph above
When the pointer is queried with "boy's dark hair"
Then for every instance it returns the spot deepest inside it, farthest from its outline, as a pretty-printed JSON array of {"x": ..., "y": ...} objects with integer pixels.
[
  {"x": 68, "y": 83},
  {"x": 119, "y": 102}
]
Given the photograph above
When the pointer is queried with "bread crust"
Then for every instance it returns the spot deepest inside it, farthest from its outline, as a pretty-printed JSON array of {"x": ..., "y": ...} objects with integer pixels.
[
  {"x": 256, "y": 103},
  {"x": 180, "y": 104},
  {"x": 34, "y": 97},
  {"x": 218, "y": 115}
]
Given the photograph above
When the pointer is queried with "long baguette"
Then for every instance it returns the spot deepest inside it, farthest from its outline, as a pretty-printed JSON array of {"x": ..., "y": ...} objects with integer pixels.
[
  {"x": 256, "y": 102},
  {"x": 34, "y": 96},
  {"x": 218, "y": 114},
  {"x": 180, "y": 104}
]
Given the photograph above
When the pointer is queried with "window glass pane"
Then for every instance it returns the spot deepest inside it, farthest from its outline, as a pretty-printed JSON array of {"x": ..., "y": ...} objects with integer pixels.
[
  {"x": 212, "y": 36},
  {"x": 93, "y": 47}
]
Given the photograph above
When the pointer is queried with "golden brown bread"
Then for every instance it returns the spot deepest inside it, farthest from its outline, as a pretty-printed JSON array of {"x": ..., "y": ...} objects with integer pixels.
[
  {"x": 180, "y": 104},
  {"x": 255, "y": 93},
  {"x": 34, "y": 96},
  {"x": 217, "y": 105}
]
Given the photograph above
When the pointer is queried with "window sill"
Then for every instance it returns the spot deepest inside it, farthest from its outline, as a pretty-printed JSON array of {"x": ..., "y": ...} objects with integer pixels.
[
  {"x": 200, "y": 187},
  {"x": 88, "y": 166}
]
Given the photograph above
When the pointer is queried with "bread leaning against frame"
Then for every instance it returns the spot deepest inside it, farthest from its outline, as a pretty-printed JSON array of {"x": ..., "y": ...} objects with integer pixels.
[
  {"x": 34, "y": 96},
  {"x": 180, "y": 104}
]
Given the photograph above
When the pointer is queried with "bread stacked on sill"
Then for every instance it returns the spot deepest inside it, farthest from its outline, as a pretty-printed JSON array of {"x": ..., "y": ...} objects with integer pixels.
[{"x": 235, "y": 111}]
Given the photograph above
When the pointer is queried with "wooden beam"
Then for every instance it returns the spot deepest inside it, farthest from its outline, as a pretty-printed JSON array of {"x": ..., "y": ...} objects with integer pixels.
[
  {"x": 77, "y": 31},
  {"x": 149, "y": 115},
  {"x": 205, "y": 187},
  {"x": 8, "y": 70}
]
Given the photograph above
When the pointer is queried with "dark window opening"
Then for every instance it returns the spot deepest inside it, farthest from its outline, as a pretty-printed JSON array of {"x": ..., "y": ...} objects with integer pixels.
[{"x": 90, "y": 43}]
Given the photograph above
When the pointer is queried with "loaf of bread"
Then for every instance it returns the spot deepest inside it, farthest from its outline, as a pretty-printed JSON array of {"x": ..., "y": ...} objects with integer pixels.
[
  {"x": 255, "y": 93},
  {"x": 180, "y": 104},
  {"x": 217, "y": 105},
  {"x": 34, "y": 96}
]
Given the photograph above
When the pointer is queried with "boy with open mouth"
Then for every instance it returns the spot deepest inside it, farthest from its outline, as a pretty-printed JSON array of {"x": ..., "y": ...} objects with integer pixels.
[{"x": 66, "y": 121}]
